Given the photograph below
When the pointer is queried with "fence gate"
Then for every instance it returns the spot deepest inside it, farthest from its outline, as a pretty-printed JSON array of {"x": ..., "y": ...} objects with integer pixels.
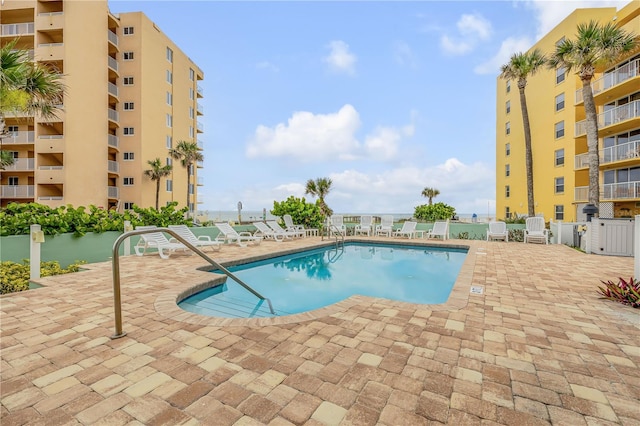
[{"x": 613, "y": 237}]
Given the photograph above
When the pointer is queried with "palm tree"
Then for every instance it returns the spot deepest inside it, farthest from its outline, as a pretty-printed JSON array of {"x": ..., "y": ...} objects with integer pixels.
[
  {"x": 26, "y": 87},
  {"x": 430, "y": 193},
  {"x": 320, "y": 188},
  {"x": 188, "y": 153},
  {"x": 520, "y": 67},
  {"x": 6, "y": 159},
  {"x": 157, "y": 172},
  {"x": 595, "y": 47}
]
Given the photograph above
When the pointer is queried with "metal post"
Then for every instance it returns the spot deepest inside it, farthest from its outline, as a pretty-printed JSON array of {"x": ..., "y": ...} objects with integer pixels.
[{"x": 37, "y": 237}]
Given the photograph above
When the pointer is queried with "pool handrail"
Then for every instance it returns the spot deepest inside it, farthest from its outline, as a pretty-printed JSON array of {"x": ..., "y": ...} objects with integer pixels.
[{"x": 115, "y": 266}]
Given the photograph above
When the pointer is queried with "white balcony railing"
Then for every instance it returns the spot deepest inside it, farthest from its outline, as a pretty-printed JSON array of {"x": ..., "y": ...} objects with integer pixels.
[
  {"x": 199, "y": 126},
  {"x": 113, "y": 192},
  {"x": 50, "y": 198},
  {"x": 21, "y": 165},
  {"x": 612, "y": 116},
  {"x": 50, "y": 136},
  {"x": 200, "y": 144},
  {"x": 113, "y": 89},
  {"x": 25, "y": 28},
  {"x": 624, "y": 190},
  {"x": 19, "y": 137},
  {"x": 50, "y": 13},
  {"x": 58, "y": 44},
  {"x": 581, "y": 193},
  {"x": 199, "y": 108},
  {"x": 610, "y": 79},
  {"x": 581, "y": 161},
  {"x": 113, "y": 64},
  {"x": 113, "y": 115},
  {"x": 50, "y": 167},
  {"x": 199, "y": 91},
  {"x": 620, "y": 152},
  {"x": 200, "y": 181},
  {"x": 113, "y": 141},
  {"x": 114, "y": 166},
  {"x": 113, "y": 38},
  {"x": 17, "y": 191}
]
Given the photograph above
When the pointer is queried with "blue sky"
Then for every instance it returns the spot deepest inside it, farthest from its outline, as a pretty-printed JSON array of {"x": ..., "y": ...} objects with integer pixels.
[{"x": 385, "y": 98}]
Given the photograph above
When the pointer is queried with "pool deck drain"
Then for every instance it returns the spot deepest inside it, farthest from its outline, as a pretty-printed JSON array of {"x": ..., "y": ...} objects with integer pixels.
[{"x": 537, "y": 347}]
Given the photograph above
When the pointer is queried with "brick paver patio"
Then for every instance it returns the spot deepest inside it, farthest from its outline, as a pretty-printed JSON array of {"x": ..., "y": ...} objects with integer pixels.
[{"x": 536, "y": 347}]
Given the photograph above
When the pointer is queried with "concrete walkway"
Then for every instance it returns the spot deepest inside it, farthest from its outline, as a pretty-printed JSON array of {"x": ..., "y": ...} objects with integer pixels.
[{"x": 536, "y": 347}]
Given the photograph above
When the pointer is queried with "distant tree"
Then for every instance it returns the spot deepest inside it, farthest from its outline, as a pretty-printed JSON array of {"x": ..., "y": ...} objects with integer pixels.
[
  {"x": 431, "y": 213},
  {"x": 156, "y": 173},
  {"x": 520, "y": 67},
  {"x": 320, "y": 188},
  {"x": 595, "y": 47},
  {"x": 188, "y": 153},
  {"x": 430, "y": 193}
]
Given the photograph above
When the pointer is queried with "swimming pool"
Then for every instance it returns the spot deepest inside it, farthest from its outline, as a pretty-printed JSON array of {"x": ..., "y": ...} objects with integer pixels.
[{"x": 316, "y": 278}]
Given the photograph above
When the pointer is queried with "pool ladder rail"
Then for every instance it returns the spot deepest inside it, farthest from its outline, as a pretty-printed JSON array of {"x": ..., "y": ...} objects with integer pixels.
[
  {"x": 116, "y": 273},
  {"x": 333, "y": 230}
]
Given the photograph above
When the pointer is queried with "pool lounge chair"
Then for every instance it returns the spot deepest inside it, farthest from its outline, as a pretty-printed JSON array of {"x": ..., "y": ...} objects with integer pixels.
[
  {"x": 535, "y": 230},
  {"x": 269, "y": 234},
  {"x": 497, "y": 231},
  {"x": 408, "y": 230},
  {"x": 202, "y": 241},
  {"x": 386, "y": 226},
  {"x": 229, "y": 235},
  {"x": 440, "y": 229},
  {"x": 280, "y": 230},
  {"x": 365, "y": 226},
  {"x": 336, "y": 224},
  {"x": 157, "y": 241},
  {"x": 290, "y": 226}
]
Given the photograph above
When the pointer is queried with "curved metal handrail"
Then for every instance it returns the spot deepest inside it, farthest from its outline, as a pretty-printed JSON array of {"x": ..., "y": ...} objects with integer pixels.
[{"x": 116, "y": 273}]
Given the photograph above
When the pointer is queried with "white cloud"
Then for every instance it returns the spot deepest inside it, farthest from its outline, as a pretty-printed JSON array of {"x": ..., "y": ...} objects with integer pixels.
[
  {"x": 507, "y": 48},
  {"x": 403, "y": 54},
  {"x": 266, "y": 65},
  {"x": 472, "y": 29},
  {"x": 474, "y": 25},
  {"x": 383, "y": 143},
  {"x": 454, "y": 47},
  {"x": 340, "y": 59}
]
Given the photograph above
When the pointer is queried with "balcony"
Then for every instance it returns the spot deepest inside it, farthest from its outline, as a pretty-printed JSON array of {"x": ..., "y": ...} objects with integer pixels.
[
  {"x": 200, "y": 181},
  {"x": 18, "y": 138},
  {"x": 622, "y": 152},
  {"x": 113, "y": 166},
  {"x": 113, "y": 115},
  {"x": 611, "y": 79},
  {"x": 113, "y": 64},
  {"x": 47, "y": 21},
  {"x": 621, "y": 191},
  {"x": 113, "y": 192},
  {"x": 50, "y": 51},
  {"x": 50, "y": 175},
  {"x": 199, "y": 108},
  {"x": 200, "y": 144},
  {"x": 113, "y": 141},
  {"x": 581, "y": 194},
  {"x": 199, "y": 127},
  {"x": 611, "y": 117},
  {"x": 15, "y": 30},
  {"x": 199, "y": 91},
  {"x": 17, "y": 191},
  {"x": 200, "y": 164},
  {"x": 113, "y": 89},
  {"x": 21, "y": 165},
  {"x": 112, "y": 37},
  {"x": 581, "y": 161}
]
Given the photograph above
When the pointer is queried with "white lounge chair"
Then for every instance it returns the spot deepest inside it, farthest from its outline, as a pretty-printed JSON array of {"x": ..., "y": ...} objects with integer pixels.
[
  {"x": 408, "y": 230},
  {"x": 280, "y": 230},
  {"x": 229, "y": 235},
  {"x": 497, "y": 231},
  {"x": 440, "y": 229},
  {"x": 157, "y": 241},
  {"x": 386, "y": 226},
  {"x": 535, "y": 230},
  {"x": 290, "y": 226},
  {"x": 365, "y": 226},
  {"x": 269, "y": 234},
  {"x": 336, "y": 222},
  {"x": 202, "y": 241}
]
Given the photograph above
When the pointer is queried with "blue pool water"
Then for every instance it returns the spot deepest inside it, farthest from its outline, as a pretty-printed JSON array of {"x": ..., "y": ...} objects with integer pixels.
[{"x": 313, "y": 279}]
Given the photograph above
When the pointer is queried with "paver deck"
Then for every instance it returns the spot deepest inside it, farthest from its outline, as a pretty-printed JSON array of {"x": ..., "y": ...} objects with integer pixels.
[{"x": 536, "y": 347}]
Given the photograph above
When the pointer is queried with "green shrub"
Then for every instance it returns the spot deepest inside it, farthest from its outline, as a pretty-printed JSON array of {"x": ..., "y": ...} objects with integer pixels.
[
  {"x": 625, "y": 292},
  {"x": 302, "y": 213},
  {"x": 431, "y": 213},
  {"x": 15, "y": 276},
  {"x": 516, "y": 235}
]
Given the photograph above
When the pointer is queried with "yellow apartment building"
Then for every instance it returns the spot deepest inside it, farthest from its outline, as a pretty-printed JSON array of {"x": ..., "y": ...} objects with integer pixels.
[
  {"x": 558, "y": 132},
  {"x": 131, "y": 95}
]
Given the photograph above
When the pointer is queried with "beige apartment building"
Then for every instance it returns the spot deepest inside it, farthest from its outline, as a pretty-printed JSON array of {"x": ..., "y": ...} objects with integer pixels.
[
  {"x": 131, "y": 95},
  {"x": 558, "y": 132}
]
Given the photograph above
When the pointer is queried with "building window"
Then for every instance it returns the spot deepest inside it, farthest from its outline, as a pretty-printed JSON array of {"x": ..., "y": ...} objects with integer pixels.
[
  {"x": 13, "y": 180},
  {"x": 128, "y": 181},
  {"x": 507, "y": 191},
  {"x": 127, "y": 81},
  {"x": 128, "y": 131},
  {"x": 559, "y": 42},
  {"x": 169, "y": 161},
  {"x": 559, "y": 129},
  {"x": 507, "y": 149},
  {"x": 560, "y": 74},
  {"x": 508, "y": 86},
  {"x": 169, "y": 120},
  {"x": 128, "y": 106},
  {"x": 127, "y": 30},
  {"x": 507, "y": 128},
  {"x": 128, "y": 205},
  {"x": 169, "y": 142},
  {"x": 192, "y": 74},
  {"x": 169, "y": 185},
  {"x": 191, "y": 170},
  {"x": 128, "y": 156},
  {"x": 169, "y": 98},
  {"x": 190, "y": 112},
  {"x": 560, "y": 102},
  {"x": 191, "y": 131},
  {"x": 169, "y": 77},
  {"x": 559, "y": 185},
  {"x": 508, "y": 107},
  {"x": 560, "y": 157},
  {"x": 191, "y": 94},
  {"x": 507, "y": 213},
  {"x": 559, "y": 212},
  {"x": 127, "y": 56},
  {"x": 507, "y": 170},
  {"x": 12, "y": 129},
  {"x": 169, "y": 55},
  {"x": 191, "y": 188}
]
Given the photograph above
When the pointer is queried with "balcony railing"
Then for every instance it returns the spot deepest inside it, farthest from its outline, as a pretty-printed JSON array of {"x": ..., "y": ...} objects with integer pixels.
[
  {"x": 58, "y": 44},
  {"x": 200, "y": 181},
  {"x": 113, "y": 89},
  {"x": 25, "y": 28},
  {"x": 581, "y": 193},
  {"x": 199, "y": 108},
  {"x": 200, "y": 144},
  {"x": 199, "y": 126},
  {"x": 50, "y": 136},
  {"x": 50, "y": 167},
  {"x": 114, "y": 166},
  {"x": 50, "y": 198},
  {"x": 581, "y": 161},
  {"x": 113, "y": 64},
  {"x": 50, "y": 13},
  {"x": 113, "y": 192},
  {"x": 17, "y": 191},
  {"x": 113, "y": 141},
  {"x": 624, "y": 190},
  {"x": 31, "y": 53},
  {"x": 21, "y": 165},
  {"x": 113, "y": 38},
  {"x": 200, "y": 164},
  {"x": 113, "y": 115},
  {"x": 610, "y": 79},
  {"x": 199, "y": 91},
  {"x": 620, "y": 152},
  {"x": 19, "y": 137},
  {"x": 612, "y": 116}
]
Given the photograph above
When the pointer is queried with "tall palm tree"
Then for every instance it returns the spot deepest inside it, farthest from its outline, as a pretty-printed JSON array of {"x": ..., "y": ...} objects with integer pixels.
[
  {"x": 188, "y": 153},
  {"x": 26, "y": 87},
  {"x": 320, "y": 188},
  {"x": 595, "y": 47},
  {"x": 520, "y": 67},
  {"x": 157, "y": 172},
  {"x": 430, "y": 193}
]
